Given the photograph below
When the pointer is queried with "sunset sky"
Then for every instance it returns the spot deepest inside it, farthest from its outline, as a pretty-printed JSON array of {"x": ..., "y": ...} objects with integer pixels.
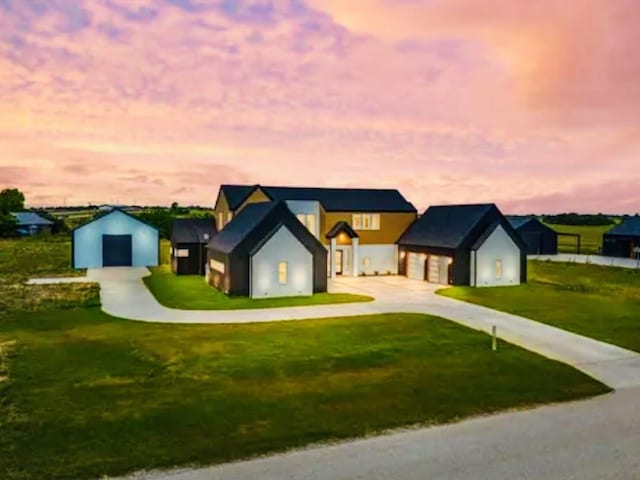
[{"x": 534, "y": 105}]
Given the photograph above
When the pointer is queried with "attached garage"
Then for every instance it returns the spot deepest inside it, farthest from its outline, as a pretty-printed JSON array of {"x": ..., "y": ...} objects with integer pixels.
[
  {"x": 116, "y": 239},
  {"x": 463, "y": 245}
]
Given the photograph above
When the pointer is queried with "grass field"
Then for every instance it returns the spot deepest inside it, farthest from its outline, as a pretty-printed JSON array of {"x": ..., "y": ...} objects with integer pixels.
[
  {"x": 89, "y": 395},
  {"x": 599, "y": 302},
  {"x": 190, "y": 292},
  {"x": 591, "y": 238},
  {"x": 83, "y": 394},
  {"x": 21, "y": 259}
]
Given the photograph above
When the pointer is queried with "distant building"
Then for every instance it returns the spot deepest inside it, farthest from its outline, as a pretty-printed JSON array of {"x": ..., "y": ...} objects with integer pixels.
[
  {"x": 539, "y": 238},
  {"x": 30, "y": 223},
  {"x": 623, "y": 240}
]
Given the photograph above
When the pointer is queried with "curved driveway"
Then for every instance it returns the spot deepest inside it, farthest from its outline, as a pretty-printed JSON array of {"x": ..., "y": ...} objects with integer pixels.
[{"x": 124, "y": 294}]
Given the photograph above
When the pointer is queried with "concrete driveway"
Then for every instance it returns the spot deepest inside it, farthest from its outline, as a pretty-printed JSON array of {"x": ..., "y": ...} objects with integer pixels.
[{"x": 124, "y": 294}]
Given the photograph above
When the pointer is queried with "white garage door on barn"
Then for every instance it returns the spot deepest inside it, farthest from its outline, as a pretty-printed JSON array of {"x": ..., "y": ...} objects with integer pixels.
[{"x": 116, "y": 239}]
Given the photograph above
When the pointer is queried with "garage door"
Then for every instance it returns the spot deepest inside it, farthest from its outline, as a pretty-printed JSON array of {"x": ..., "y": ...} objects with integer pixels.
[
  {"x": 415, "y": 266},
  {"x": 116, "y": 250},
  {"x": 434, "y": 269}
]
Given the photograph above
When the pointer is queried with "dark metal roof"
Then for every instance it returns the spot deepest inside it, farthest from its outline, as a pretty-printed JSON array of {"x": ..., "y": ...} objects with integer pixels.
[
  {"x": 236, "y": 194},
  {"x": 341, "y": 226},
  {"x": 102, "y": 215},
  {"x": 445, "y": 226},
  {"x": 241, "y": 226},
  {"x": 629, "y": 227},
  {"x": 332, "y": 199},
  {"x": 193, "y": 230},
  {"x": 30, "y": 218},
  {"x": 517, "y": 221}
]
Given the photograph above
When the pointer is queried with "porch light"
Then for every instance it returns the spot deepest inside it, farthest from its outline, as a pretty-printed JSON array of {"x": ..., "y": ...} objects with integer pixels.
[{"x": 402, "y": 254}]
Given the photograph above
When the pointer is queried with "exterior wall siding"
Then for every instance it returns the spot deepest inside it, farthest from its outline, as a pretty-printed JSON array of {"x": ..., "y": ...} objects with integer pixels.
[
  {"x": 499, "y": 246},
  {"x": 380, "y": 258},
  {"x": 392, "y": 225},
  {"x": 87, "y": 240},
  {"x": 283, "y": 246}
]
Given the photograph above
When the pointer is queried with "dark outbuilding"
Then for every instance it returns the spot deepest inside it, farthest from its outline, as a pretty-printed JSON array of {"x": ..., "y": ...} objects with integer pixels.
[
  {"x": 266, "y": 252},
  {"x": 539, "y": 238},
  {"x": 623, "y": 240},
  {"x": 189, "y": 239},
  {"x": 463, "y": 245}
]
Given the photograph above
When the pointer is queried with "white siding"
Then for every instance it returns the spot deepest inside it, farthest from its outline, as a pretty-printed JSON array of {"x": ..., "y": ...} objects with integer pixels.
[
  {"x": 283, "y": 246},
  {"x": 306, "y": 207},
  {"x": 87, "y": 244},
  {"x": 498, "y": 247},
  {"x": 382, "y": 258}
]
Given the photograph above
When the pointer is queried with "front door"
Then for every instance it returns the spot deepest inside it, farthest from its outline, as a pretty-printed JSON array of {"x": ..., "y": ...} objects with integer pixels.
[{"x": 338, "y": 262}]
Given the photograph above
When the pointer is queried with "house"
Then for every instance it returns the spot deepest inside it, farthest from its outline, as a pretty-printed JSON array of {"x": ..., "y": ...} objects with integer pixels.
[
  {"x": 623, "y": 240},
  {"x": 463, "y": 245},
  {"x": 114, "y": 239},
  {"x": 30, "y": 223},
  {"x": 539, "y": 238},
  {"x": 189, "y": 239},
  {"x": 265, "y": 251},
  {"x": 359, "y": 227}
]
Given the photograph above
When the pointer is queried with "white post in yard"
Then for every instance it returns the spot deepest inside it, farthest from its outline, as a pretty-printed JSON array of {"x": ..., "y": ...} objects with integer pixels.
[
  {"x": 494, "y": 338},
  {"x": 332, "y": 258},
  {"x": 356, "y": 256}
]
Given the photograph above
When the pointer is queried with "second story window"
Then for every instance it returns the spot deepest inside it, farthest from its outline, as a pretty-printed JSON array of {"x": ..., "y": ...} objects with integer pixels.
[
  {"x": 309, "y": 221},
  {"x": 365, "y": 221},
  {"x": 220, "y": 225}
]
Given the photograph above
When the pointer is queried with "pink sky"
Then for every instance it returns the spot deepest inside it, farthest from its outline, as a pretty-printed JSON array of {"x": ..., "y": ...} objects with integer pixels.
[{"x": 534, "y": 105}]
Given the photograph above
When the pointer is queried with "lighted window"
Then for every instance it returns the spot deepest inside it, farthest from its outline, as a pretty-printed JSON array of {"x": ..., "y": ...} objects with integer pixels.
[
  {"x": 283, "y": 273},
  {"x": 498, "y": 269},
  {"x": 365, "y": 221},
  {"x": 216, "y": 265},
  {"x": 229, "y": 216},
  {"x": 309, "y": 221},
  {"x": 182, "y": 252},
  {"x": 220, "y": 221}
]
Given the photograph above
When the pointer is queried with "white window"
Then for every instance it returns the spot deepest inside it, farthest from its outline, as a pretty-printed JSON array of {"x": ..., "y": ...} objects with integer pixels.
[
  {"x": 309, "y": 221},
  {"x": 182, "y": 252},
  {"x": 498, "y": 269},
  {"x": 216, "y": 265},
  {"x": 283, "y": 273},
  {"x": 365, "y": 221}
]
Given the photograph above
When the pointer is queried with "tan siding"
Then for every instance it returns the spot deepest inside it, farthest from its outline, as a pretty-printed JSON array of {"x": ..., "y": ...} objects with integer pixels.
[
  {"x": 257, "y": 196},
  {"x": 392, "y": 225},
  {"x": 222, "y": 206}
]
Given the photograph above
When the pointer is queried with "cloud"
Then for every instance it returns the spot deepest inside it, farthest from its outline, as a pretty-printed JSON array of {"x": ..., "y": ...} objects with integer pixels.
[{"x": 451, "y": 100}]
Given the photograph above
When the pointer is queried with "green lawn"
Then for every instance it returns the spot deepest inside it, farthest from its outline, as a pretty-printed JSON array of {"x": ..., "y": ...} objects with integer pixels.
[
  {"x": 88, "y": 395},
  {"x": 24, "y": 258},
  {"x": 599, "y": 302},
  {"x": 591, "y": 238},
  {"x": 190, "y": 292}
]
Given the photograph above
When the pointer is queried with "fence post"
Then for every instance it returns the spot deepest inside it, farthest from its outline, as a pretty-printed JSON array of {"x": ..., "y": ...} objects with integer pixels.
[{"x": 494, "y": 338}]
